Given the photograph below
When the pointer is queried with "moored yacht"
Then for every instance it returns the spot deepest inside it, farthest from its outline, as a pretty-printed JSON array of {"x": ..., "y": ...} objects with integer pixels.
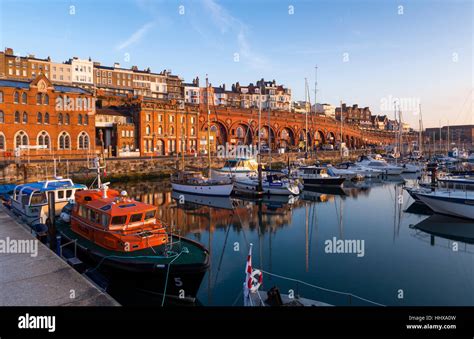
[
  {"x": 272, "y": 184},
  {"x": 366, "y": 172},
  {"x": 455, "y": 203},
  {"x": 237, "y": 168},
  {"x": 380, "y": 165},
  {"x": 194, "y": 182},
  {"x": 317, "y": 176}
]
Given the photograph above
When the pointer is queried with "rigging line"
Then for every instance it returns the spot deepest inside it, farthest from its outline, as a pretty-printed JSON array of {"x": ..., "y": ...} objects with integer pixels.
[
  {"x": 323, "y": 288},
  {"x": 222, "y": 253},
  {"x": 238, "y": 297},
  {"x": 462, "y": 107},
  {"x": 167, "y": 276}
]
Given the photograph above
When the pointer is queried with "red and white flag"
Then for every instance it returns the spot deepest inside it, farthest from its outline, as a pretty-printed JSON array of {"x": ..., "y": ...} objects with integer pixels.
[{"x": 248, "y": 278}]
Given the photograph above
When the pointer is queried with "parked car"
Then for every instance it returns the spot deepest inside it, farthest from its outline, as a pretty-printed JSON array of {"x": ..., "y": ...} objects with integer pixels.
[{"x": 328, "y": 147}]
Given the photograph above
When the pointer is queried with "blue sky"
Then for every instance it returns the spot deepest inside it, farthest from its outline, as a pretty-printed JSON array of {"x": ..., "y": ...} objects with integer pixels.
[{"x": 367, "y": 52}]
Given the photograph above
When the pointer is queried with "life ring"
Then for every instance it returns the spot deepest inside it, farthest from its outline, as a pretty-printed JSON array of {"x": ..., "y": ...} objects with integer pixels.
[{"x": 255, "y": 280}]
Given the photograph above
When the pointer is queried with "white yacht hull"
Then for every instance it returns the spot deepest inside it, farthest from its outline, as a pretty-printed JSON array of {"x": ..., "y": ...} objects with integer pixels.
[
  {"x": 211, "y": 190},
  {"x": 450, "y": 204},
  {"x": 250, "y": 186}
]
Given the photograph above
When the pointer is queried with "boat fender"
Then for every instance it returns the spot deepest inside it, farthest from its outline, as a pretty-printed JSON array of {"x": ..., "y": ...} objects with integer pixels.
[{"x": 255, "y": 281}]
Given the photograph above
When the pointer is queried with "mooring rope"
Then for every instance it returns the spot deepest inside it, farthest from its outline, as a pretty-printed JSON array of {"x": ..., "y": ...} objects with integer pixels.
[{"x": 321, "y": 288}]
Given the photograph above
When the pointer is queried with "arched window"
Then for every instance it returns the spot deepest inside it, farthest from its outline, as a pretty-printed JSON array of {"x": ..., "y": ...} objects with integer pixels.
[
  {"x": 2, "y": 117},
  {"x": 67, "y": 119},
  {"x": 21, "y": 139},
  {"x": 39, "y": 118},
  {"x": 1, "y": 96},
  {"x": 16, "y": 97},
  {"x": 147, "y": 130},
  {"x": 17, "y": 117},
  {"x": 64, "y": 141},
  {"x": 46, "y": 118},
  {"x": 24, "y": 99},
  {"x": 3, "y": 146},
  {"x": 160, "y": 130},
  {"x": 193, "y": 131},
  {"x": 240, "y": 132},
  {"x": 46, "y": 99},
  {"x": 83, "y": 141},
  {"x": 79, "y": 119},
  {"x": 86, "y": 119},
  {"x": 43, "y": 139},
  {"x": 172, "y": 130},
  {"x": 25, "y": 118},
  {"x": 60, "y": 118},
  {"x": 38, "y": 99}
]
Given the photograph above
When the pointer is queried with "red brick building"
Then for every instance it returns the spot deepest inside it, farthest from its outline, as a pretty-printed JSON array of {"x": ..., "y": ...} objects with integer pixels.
[{"x": 42, "y": 120}]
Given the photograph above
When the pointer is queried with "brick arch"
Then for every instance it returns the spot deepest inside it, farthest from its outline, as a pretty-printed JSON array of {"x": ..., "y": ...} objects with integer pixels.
[
  {"x": 319, "y": 137},
  {"x": 286, "y": 141},
  {"x": 248, "y": 131}
]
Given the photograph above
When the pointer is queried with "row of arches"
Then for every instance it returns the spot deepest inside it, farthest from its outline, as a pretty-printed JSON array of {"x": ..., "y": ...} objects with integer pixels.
[
  {"x": 21, "y": 138},
  {"x": 243, "y": 134}
]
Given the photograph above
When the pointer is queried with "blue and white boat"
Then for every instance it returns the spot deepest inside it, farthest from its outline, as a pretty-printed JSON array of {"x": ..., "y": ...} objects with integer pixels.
[
  {"x": 30, "y": 200},
  {"x": 271, "y": 185},
  {"x": 455, "y": 203}
]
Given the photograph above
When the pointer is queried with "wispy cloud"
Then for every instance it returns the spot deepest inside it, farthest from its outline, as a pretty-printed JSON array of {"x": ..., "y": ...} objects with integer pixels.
[
  {"x": 136, "y": 36},
  {"x": 228, "y": 24}
]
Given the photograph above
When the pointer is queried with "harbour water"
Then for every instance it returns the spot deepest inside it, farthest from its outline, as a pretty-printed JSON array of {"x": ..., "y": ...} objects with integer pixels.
[{"x": 396, "y": 263}]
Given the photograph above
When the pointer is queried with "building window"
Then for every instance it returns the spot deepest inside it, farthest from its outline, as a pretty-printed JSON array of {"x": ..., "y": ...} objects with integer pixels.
[
  {"x": 17, "y": 117},
  {"x": 160, "y": 130},
  {"x": 86, "y": 119},
  {"x": 193, "y": 131},
  {"x": 2, "y": 142},
  {"x": 24, "y": 99},
  {"x": 147, "y": 130},
  {"x": 43, "y": 139},
  {"x": 16, "y": 97},
  {"x": 21, "y": 139},
  {"x": 2, "y": 117},
  {"x": 46, "y": 118},
  {"x": 79, "y": 119},
  {"x": 123, "y": 133},
  {"x": 64, "y": 141},
  {"x": 171, "y": 118},
  {"x": 83, "y": 141},
  {"x": 39, "y": 118},
  {"x": 38, "y": 99},
  {"x": 46, "y": 99},
  {"x": 60, "y": 119},
  {"x": 25, "y": 117},
  {"x": 172, "y": 130},
  {"x": 1, "y": 96},
  {"x": 67, "y": 119}
]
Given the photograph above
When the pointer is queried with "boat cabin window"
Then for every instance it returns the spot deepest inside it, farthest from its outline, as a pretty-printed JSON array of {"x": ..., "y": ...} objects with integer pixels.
[
  {"x": 94, "y": 216},
  {"x": 38, "y": 198},
  {"x": 17, "y": 194},
  {"x": 68, "y": 193},
  {"x": 136, "y": 217},
  {"x": 119, "y": 220},
  {"x": 150, "y": 215},
  {"x": 25, "y": 199},
  {"x": 60, "y": 194},
  {"x": 105, "y": 220}
]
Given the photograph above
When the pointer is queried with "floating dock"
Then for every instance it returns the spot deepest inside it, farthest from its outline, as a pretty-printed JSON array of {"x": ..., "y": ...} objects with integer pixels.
[{"x": 43, "y": 279}]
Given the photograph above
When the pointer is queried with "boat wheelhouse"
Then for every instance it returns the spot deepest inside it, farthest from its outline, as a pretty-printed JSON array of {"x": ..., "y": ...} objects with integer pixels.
[
  {"x": 238, "y": 168},
  {"x": 318, "y": 176},
  {"x": 30, "y": 201}
]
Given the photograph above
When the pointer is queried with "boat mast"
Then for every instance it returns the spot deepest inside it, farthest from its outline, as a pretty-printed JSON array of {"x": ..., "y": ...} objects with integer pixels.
[
  {"x": 259, "y": 156},
  {"x": 420, "y": 133},
  {"x": 400, "y": 132},
  {"x": 306, "y": 117},
  {"x": 183, "y": 117},
  {"x": 447, "y": 141},
  {"x": 270, "y": 134},
  {"x": 315, "y": 102},
  {"x": 340, "y": 144},
  {"x": 208, "y": 128}
]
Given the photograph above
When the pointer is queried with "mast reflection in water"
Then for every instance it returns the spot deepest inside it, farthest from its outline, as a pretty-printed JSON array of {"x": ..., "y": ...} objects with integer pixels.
[{"x": 290, "y": 236}]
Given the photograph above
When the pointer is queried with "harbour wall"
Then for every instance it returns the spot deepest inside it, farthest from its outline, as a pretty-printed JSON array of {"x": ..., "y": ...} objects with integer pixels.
[{"x": 125, "y": 169}]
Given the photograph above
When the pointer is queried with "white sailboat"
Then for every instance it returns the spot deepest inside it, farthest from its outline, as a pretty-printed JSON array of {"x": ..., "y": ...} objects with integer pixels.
[{"x": 195, "y": 182}]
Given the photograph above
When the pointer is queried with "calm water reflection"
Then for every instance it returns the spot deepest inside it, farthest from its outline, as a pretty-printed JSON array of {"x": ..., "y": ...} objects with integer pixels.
[{"x": 405, "y": 248}]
